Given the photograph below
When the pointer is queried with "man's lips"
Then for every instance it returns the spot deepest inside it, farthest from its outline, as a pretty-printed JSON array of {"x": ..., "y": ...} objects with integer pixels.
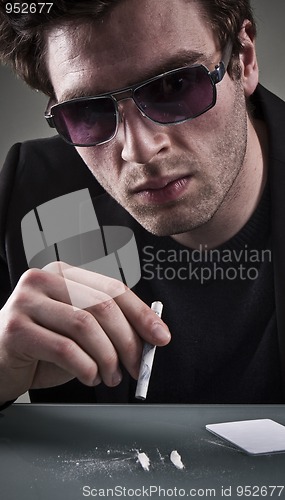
[
  {"x": 162, "y": 190},
  {"x": 158, "y": 183}
]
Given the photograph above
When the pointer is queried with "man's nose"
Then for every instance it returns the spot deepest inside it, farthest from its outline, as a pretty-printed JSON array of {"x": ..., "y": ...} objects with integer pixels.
[{"x": 141, "y": 139}]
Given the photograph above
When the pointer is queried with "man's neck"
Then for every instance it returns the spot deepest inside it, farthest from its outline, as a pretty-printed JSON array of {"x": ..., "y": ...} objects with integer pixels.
[{"x": 241, "y": 200}]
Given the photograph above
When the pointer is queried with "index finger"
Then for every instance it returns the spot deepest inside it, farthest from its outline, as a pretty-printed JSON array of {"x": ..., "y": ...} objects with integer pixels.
[{"x": 143, "y": 319}]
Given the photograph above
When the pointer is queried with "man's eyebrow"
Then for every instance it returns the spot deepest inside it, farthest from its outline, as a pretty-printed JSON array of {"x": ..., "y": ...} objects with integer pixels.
[{"x": 182, "y": 58}]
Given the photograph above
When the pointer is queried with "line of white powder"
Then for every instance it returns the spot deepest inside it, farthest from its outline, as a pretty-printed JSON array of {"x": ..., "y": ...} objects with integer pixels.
[{"x": 174, "y": 456}]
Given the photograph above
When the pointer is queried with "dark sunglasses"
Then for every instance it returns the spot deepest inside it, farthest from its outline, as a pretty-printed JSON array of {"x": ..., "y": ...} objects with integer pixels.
[{"x": 172, "y": 97}]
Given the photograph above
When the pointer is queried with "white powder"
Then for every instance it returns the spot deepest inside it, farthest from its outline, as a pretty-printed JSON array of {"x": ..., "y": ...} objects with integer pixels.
[
  {"x": 176, "y": 459},
  {"x": 144, "y": 461},
  {"x": 110, "y": 462},
  {"x": 160, "y": 455}
]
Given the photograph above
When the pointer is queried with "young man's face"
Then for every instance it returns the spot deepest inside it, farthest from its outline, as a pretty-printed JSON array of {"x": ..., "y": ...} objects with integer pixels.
[{"x": 171, "y": 178}]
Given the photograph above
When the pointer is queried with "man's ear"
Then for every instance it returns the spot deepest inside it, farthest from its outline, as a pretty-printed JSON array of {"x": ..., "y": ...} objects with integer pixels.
[{"x": 248, "y": 59}]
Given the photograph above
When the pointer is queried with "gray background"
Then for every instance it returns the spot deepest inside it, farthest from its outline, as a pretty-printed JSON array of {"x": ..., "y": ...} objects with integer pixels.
[{"x": 22, "y": 108}]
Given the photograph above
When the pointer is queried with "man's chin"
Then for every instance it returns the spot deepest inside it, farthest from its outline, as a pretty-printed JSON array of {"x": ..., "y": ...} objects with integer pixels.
[
  {"x": 165, "y": 228},
  {"x": 171, "y": 219}
]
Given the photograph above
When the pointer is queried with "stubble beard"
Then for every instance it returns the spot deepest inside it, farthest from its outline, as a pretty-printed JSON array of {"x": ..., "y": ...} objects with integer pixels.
[{"x": 215, "y": 178}]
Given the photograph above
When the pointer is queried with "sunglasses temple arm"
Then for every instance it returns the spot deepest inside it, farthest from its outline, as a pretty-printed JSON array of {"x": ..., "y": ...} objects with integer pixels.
[
  {"x": 48, "y": 116},
  {"x": 220, "y": 70}
]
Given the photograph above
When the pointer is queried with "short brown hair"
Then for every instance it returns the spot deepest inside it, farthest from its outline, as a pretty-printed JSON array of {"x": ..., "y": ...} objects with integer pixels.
[{"x": 22, "y": 36}]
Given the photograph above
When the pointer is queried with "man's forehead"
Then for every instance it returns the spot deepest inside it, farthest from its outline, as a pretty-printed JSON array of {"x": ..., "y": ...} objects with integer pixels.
[
  {"x": 131, "y": 43},
  {"x": 179, "y": 60}
]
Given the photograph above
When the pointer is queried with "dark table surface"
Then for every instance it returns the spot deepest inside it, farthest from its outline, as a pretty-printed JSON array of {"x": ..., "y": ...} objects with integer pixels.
[{"x": 64, "y": 452}]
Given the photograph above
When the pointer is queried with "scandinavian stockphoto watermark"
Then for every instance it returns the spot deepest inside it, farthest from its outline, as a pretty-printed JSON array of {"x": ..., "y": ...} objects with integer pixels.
[
  {"x": 67, "y": 229},
  {"x": 203, "y": 264}
]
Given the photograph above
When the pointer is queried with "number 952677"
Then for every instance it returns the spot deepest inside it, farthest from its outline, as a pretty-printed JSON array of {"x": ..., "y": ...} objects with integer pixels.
[
  {"x": 27, "y": 8},
  {"x": 259, "y": 491}
]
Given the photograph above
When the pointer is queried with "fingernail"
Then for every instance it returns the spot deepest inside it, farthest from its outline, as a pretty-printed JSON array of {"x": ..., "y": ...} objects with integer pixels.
[
  {"x": 117, "y": 378},
  {"x": 97, "y": 380},
  {"x": 160, "y": 333}
]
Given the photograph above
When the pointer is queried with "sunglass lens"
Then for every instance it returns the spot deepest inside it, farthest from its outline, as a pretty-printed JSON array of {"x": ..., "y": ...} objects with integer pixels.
[
  {"x": 86, "y": 122},
  {"x": 178, "y": 96}
]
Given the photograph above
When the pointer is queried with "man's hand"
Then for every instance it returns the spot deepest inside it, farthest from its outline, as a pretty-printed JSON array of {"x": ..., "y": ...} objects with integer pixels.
[{"x": 64, "y": 322}]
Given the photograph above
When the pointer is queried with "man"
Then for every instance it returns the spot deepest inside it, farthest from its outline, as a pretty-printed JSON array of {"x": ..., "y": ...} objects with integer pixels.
[{"x": 186, "y": 160}]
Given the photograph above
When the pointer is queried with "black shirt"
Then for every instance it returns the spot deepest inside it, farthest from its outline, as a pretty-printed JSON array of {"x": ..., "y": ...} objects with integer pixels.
[{"x": 219, "y": 306}]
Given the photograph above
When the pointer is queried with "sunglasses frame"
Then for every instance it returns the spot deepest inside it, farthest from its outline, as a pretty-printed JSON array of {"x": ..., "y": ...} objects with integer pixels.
[{"x": 116, "y": 96}]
